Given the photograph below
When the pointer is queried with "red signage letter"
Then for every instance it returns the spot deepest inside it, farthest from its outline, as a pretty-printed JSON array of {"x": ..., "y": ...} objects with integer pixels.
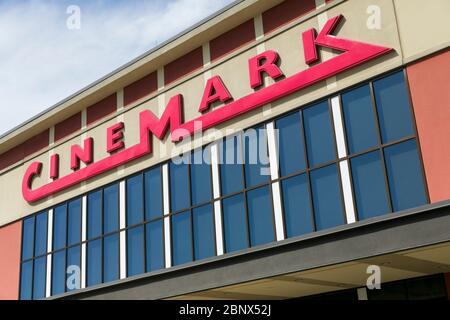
[
  {"x": 114, "y": 136},
  {"x": 54, "y": 166},
  {"x": 215, "y": 90},
  {"x": 264, "y": 62},
  {"x": 78, "y": 154}
]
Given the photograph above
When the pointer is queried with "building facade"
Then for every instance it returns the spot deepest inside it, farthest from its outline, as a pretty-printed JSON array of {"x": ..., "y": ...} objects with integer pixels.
[{"x": 276, "y": 150}]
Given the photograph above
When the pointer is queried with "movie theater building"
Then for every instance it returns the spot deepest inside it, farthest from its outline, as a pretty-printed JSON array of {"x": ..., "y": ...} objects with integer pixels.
[{"x": 348, "y": 105}]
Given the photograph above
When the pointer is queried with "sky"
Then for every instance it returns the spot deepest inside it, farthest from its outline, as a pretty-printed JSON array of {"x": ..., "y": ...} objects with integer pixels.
[{"x": 49, "y": 49}]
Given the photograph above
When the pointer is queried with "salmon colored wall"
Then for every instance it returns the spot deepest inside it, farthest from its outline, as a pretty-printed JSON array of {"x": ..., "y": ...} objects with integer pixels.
[
  {"x": 429, "y": 82},
  {"x": 10, "y": 241}
]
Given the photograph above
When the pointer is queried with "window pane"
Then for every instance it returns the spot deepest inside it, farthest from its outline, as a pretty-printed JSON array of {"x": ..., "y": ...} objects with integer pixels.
[
  {"x": 111, "y": 208},
  {"x": 73, "y": 268},
  {"x": 359, "y": 120},
  {"x": 111, "y": 258},
  {"x": 26, "y": 280},
  {"x": 291, "y": 146},
  {"x": 59, "y": 272},
  {"x": 179, "y": 186},
  {"x": 393, "y": 107},
  {"x": 59, "y": 227},
  {"x": 74, "y": 216},
  {"x": 135, "y": 251},
  {"x": 257, "y": 169},
  {"x": 40, "y": 270},
  {"x": 260, "y": 217},
  {"x": 153, "y": 194},
  {"x": 369, "y": 185},
  {"x": 94, "y": 214},
  {"x": 40, "y": 244},
  {"x": 204, "y": 241},
  {"x": 297, "y": 206},
  {"x": 28, "y": 238},
  {"x": 200, "y": 176},
  {"x": 319, "y": 135},
  {"x": 94, "y": 262},
  {"x": 181, "y": 238},
  {"x": 135, "y": 210},
  {"x": 155, "y": 245},
  {"x": 231, "y": 167},
  {"x": 326, "y": 192},
  {"x": 235, "y": 223},
  {"x": 405, "y": 175}
]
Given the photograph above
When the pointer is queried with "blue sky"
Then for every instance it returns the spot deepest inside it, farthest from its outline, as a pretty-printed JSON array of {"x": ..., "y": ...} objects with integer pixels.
[{"x": 42, "y": 61}]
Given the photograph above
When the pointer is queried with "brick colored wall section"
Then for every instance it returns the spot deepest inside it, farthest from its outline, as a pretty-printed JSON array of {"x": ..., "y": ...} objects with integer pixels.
[
  {"x": 184, "y": 65},
  {"x": 429, "y": 82},
  {"x": 285, "y": 12},
  {"x": 101, "y": 109},
  {"x": 68, "y": 126},
  {"x": 141, "y": 88},
  {"x": 10, "y": 242}
]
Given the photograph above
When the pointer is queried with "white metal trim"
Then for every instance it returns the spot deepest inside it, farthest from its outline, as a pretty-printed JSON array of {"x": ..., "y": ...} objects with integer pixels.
[
  {"x": 48, "y": 279},
  {"x": 123, "y": 239},
  {"x": 347, "y": 191},
  {"x": 278, "y": 211},
  {"x": 338, "y": 127},
  {"x": 83, "y": 239}
]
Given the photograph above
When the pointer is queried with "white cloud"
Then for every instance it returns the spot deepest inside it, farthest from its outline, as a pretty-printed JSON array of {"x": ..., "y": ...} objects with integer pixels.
[{"x": 42, "y": 62}]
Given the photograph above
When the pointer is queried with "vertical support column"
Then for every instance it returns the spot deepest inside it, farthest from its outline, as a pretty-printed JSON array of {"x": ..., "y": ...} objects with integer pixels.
[
  {"x": 120, "y": 118},
  {"x": 83, "y": 240},
  {"x": 166, "y": 208},
  {"x": 161, "y": 106},
  {"x": 123, "y": 238},
  {"x": 48, "y": 280},
  {"x": 216, "y": 193}
]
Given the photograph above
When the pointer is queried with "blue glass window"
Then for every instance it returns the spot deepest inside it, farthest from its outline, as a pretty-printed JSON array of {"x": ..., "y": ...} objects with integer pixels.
[
  {"x": 235, "y": 223},
  {"x": 393, "y": 107},
  {"x": 405, "y": 175},
  {"x": 155, "y": 245},
  {"x": 94, "y": 262},
  {"x": 291, "y": 145},
  {"x": 326, "y": 193},
  {"x": 231, "y": 168},
  {"x": 74, "y": 220},
  {"x": 111, "y": 258},
  {"x": 256, "y": 157},
  {"x": 59, "y": 227},
  {"x": 203, "y": 224},
  {"x": 111, "y": 208},
  {"x": 74, "y": 273},
  {"x": 135, "y": 210},
  {"x": 179, "y": 186},
  {"x": 369, "y": 185},
  {"x": 200, "y": 176},
  {"x": 40, "y": 243},
  {"x": 40, "y": 270},
  {"x": 94, "y": 215},
  {"x": 59, "y": 272},
  {"x": 260, "y": 218},
  {"x": 26, "y": 280},
  {"x": 153, "y": 194},
  {"x": 359, "y": 120},
  {"x": 28, "y": 238},
  {"x": 135, "y": 251},
  {"x": 319, "y": 134},
  {"x": 181, "y": 238},
  {"x": 297, "y": 206}
]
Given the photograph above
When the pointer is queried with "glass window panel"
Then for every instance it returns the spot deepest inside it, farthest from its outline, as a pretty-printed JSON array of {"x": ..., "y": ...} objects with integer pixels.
[
  {"x": 74, "y": 217},
  {"x": 291, "y": 145},
  {"x": 94, "y": 262},
  {"x": 73, "y": 281},
  {"x": 179, "y": 185},
  {"x": 260, "y": 217},
  {"x": 135, "y": 210},
  {"x": 40, "y": 270},
  {"x": 153, "y": 193},
  {"x": 111, "y": 208},
  {"x": 359, "y": 120},
  {"x": 59, "y": 227},
  {"x": 111, "y": 258},
  {"x": 155, "y": 245},
  {"x": 40, "y": 244},
  {"x": 297, "y": 206},
  {"x": 135, "y": 251},
  {"x": 369, "y": 185},
  {"x": 405, "y": 175},
  {"x": 26, "y": 280},
  {"x": 231, "y": 168},
  {"x": 257, "y": 170},
  {"x": 200, "y": 176},
  {"x": 203, "y": 223},
  {"x": 319, "y": 134},
  {"x": 326, "y": 192},
  {"x": 393, "y": 107},
  {"x": 235, "y": 223},
  {"x": 28, "y": 238},
  {"x": 181, "y": 238},
  {"x": 59, "y": 272},
  {"x": 94, "y": 214}
]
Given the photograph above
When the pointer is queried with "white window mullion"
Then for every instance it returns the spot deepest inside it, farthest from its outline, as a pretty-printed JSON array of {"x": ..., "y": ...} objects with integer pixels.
[
  {"x": 123, "y": 238},
  {"x": 166, "y": 208},
  {"x": 83, "y": 240},
  {"x": 217, "y": 204},
  {"x": 48, "y": 280}
]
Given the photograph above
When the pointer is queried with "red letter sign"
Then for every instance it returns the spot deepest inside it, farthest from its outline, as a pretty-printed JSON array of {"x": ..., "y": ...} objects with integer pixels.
[
  {"x": 114, "y": 135},
  {"x": 84, "y": 154},
  {"x": 264, "y": 62},
  {"x": 215, "y": 90}
]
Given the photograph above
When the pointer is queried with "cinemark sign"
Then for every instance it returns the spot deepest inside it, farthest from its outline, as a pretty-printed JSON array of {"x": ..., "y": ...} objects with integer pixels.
[{"x": 353, "y": 53}]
